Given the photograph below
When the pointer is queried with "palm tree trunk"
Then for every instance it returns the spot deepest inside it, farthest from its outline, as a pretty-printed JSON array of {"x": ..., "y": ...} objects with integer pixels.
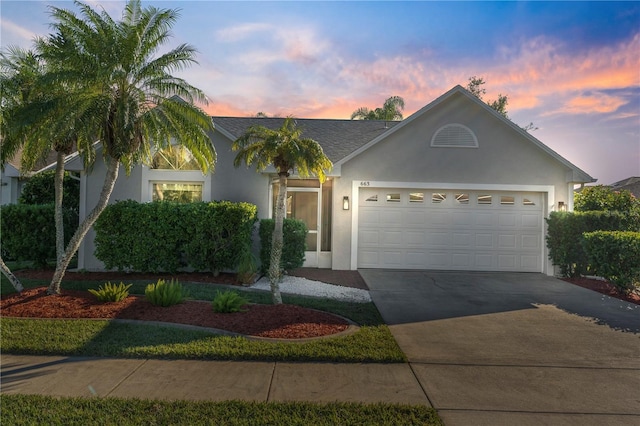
[
  {"x": 59, "y": 191},
  {"x": 15, "y": 282},
  {"x": 277, "y": 241},
  {"x": 87, "y": 223}
]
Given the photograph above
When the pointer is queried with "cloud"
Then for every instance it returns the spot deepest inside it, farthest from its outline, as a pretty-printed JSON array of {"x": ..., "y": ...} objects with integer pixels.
[{"x": 15, "y": 31}]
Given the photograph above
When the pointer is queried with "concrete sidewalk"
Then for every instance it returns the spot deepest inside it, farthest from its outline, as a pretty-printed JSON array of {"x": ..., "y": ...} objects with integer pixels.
[{"x": 210, "y": 380}]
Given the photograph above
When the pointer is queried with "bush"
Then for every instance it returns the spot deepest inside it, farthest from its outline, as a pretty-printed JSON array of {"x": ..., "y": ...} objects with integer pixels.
[
  {"x": 29, "y": 232},
  {"x": 295, "y": 235},
  {"x": 111, "y": 292},
  {"x": 164, "y": 236},
  {"x": 217, "y": 233},
  {"x": 165, "y": 294},
  {"x": 228, "y": 302},
  {"x": 603, "y": 198},
  {"x": 40, "y": 189},
  {"x": 565, "y": 231},
  {"x": 615, "y": 256}
]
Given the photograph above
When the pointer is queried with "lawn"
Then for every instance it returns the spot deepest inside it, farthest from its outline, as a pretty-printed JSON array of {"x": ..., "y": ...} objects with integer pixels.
[
  {"x": 372, "y": 343},
  {"x": 31, "y": 409}
]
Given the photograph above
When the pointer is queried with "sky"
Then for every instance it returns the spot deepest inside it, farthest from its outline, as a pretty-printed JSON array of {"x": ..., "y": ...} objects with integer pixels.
[{"x": 570, "y": 68}]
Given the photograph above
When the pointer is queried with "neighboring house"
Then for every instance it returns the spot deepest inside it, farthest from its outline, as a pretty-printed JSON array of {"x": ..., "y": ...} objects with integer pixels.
[
  {"x": 455, "y": 186},
  {"x": 631, "y": 184}
]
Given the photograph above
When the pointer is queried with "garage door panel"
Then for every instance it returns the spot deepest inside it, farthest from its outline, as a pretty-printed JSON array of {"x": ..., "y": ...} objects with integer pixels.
[
  {"x": 507, "y": 241},
  {"x": 505, "y": 235}
]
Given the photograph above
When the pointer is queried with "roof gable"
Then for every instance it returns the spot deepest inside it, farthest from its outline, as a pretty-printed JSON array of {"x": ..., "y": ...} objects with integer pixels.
[{"x": 575, "y": 174}]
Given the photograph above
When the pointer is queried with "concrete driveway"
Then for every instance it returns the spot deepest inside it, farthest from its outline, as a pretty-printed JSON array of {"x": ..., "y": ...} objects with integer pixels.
[{"x": 514, "y": 348}]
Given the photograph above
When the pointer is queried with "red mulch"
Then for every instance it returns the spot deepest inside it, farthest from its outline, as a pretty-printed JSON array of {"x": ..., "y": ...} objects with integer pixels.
[
  {"x": 273, "y": 321},
  {"x": 604, "y": 287}
]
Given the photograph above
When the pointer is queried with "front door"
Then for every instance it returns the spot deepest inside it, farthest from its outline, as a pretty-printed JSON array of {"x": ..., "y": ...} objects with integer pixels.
[{"x": 302, "y": 204}]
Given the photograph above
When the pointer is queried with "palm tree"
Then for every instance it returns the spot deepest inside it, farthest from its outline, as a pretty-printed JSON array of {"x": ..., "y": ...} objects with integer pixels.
[
  {"x": 123, "y": 95},
  {"x": 287, "y": 151},
  {"x": 390, "y": 111},
  {"x": 31, "y": 121}
]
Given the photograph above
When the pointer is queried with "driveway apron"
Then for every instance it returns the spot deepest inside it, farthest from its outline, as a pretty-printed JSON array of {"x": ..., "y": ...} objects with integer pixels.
[{"x": 514, "y": 348}]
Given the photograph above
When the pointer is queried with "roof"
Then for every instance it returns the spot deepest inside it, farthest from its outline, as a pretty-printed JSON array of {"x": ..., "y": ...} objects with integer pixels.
[
  {"x": 631, "y": 184},
  {"x": 338, "y": 138}
]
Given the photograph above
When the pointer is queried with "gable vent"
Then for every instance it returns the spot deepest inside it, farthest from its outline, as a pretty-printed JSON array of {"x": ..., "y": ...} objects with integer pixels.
[{"x": 454, "y": 136}]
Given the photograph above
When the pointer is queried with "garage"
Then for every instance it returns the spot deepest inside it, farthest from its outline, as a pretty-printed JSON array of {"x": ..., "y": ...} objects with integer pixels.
[{"x": 433, "y": 228}]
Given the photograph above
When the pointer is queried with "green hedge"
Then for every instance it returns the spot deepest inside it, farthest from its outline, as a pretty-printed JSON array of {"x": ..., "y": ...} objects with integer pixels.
[
  {"x": 40, "y": 189},
  {"x": 29, "y": 231},
  {"x": 166, "y": 236},
  {"x": 295, "y": 235},
  {"x": 615, "y": 256},
  {"x": 564, "y": 236}
]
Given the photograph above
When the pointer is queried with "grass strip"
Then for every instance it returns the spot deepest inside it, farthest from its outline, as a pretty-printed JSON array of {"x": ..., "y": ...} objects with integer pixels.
[
  {"x": 109, "y": 339},
  {"x": 35, "y": 409}
]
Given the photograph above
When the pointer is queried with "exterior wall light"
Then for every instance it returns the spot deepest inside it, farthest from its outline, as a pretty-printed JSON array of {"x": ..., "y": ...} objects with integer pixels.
[
  {"x": 562, "y": 206},
  {"x": 345, "y": 202}
]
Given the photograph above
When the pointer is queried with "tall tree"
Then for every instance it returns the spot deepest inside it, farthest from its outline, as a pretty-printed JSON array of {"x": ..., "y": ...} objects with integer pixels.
[
  {"x": 122, "y": 93},
  {"x": 287, "y": 151},
  {"x": 500, "y": 105},
  {"x": 391, "y": 110}
]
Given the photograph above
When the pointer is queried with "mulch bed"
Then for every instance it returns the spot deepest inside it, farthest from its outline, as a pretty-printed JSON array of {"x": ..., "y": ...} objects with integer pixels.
[
  {"x": 604, "y": 287},
  {"x": 272, "y": 321}
]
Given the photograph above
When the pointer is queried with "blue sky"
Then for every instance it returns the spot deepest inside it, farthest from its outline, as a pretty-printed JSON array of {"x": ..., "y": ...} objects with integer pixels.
[{"x": 571, "y": 68}]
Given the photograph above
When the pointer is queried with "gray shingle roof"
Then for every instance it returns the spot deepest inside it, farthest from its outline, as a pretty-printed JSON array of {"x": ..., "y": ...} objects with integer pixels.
[{"x": 338, "y": 138}]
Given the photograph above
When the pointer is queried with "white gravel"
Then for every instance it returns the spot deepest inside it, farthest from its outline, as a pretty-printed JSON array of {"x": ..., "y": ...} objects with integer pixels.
[{"x": 305, "y": 287}]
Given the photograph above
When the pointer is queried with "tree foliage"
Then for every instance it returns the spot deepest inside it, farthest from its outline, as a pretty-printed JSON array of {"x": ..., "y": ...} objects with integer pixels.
[
  {"x": 603, "y": 198},
  {"x": 391, "y": 110},
  {"x": 499, "y": 105},
  {"x": 106, "y": 80},
  {"x": 39, "y": 189}
]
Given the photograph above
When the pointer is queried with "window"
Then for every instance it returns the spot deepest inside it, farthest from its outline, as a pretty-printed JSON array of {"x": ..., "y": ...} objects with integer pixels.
[
  {"x": 177, "y": 192},
  {"x": 372, "y": 199},
  {"x": 174, "y": 158},
  {"x": 527, "y": 202},
  {"x": 462, "y": 198},
  {"x": 454, "y": 136},
  {"x": 416, "y": 197},
  {"x": 438, "y": 197},
  {"x": 507, "y": 200},
  {"x": 393, "y": 198},
  {"x": 484, "y": 199}
]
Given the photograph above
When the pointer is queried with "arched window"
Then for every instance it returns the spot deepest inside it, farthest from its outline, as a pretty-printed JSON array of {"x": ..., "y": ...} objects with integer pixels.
[
  {"x": 454, "y": 136},
  {"x": 174, "y": 158}
]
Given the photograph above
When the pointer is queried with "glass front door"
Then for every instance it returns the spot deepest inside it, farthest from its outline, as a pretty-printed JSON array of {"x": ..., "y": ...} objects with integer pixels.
[{"x": 304, "y": 206}]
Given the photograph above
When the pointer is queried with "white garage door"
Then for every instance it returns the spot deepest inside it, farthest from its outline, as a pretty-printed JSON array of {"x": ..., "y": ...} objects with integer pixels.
[{"x": 450, "y": 229}]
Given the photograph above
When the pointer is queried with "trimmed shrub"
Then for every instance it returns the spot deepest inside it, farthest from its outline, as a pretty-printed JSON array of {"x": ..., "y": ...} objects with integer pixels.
[
  {"x": 564, "y": 236},
  {"x": 40, "y": 189},
  {"x": 111, "y": 292},
  {"x": 29, "y": 232},
  {"x": 615, "y": 256},
  {"x": 228, "y": 302},
  {"x": 164, "y": 236},
  {"x": 217, "y": 233},
  {"x": 165, "y": 293},
  {"x": 294, "y": 239}
]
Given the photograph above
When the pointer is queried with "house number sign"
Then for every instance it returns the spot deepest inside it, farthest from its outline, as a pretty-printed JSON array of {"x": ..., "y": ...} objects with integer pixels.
[{"x": 365, "y": 183}]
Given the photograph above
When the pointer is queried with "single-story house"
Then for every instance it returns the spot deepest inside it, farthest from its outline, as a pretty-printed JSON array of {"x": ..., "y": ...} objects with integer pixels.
[
  {"x": 631, "y": 184},
  {"x": 455, "y": 186}
]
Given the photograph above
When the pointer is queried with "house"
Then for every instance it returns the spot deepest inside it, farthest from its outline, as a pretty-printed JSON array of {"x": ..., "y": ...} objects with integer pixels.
[
  {"x": 12, "y": 179},
  {"x": 455, "y": 186},
  {"x": 631, "y": 184}
]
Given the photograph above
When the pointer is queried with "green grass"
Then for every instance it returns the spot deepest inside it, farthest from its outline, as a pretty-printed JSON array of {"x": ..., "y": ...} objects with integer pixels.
[
  {"x": 372, "y": 343},
  {"x": 32, "y": 410}
]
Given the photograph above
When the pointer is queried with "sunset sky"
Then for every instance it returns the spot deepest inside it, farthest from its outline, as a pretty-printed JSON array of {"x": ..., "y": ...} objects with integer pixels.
[{"x": 571, "y": 68}]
